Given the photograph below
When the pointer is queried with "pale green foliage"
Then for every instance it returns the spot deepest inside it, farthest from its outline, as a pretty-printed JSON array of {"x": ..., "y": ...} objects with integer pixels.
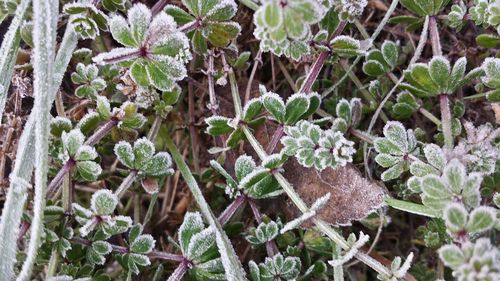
[
  {"x": 86, "y": 19},
  {"x": 264, "y": 232},
  {"x": 298, "y": 106},
  {"x": 491, "y": 67},
  {"x": 349, "y": 9},
  {"x": 84, "y": 155},
  {"x": 437, "y": 77},
  {"x": 459, "y": 222},
  {"x": 380, "y": 62},
  {"x": 251, "y": 180},
  {"x": 395, "y": 149},
  {"x": 155, "y": 50},
  {"x": 198, "y": 245},
  {"x": 454, "y": 184},
  {"x": 139, "y": 246},
  {"x": 97, "y": 252},
  {"x": 142, "y": 158},
  {"x": 425, "y": 7},
  {"x": 315, "y": 147},
  {"x": 456, "y": 15},
  {"x": 276, "y": 268},
  {"x": 346, "y": 47},
  {"x": 100, "y": 218},
  {"x": 435, "y": 163},
  {"x": 211, "y": 20},
  {"x": 286, "y": 29},
  {"x": 486, "y": 13},
  {"x": 478, "y": 260},
  {"x": 482, "y": 152},
  {"x": 87, "y": 76},
  {"x": 126, "y": 114},
  {"x": 348, "y": 114},
  {"x": 398, "y": 270}
]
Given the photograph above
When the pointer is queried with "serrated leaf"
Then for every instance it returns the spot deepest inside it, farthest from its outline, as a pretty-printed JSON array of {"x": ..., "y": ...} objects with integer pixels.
[
  {"x": 103, "y": 202},
  {"x": 481, "y": 219}
]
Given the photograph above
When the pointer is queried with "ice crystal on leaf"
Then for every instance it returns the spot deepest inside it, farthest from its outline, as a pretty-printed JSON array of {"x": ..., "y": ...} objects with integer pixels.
[
  {"x": 210, "y": 21},
  {"x": 285, "y": 29},
  {"x": 276, "y": 268},
  {"x": 313, "y": 146},
  {"x": 265, "y": 232},
  {"x": 84, "y": 155},
  {"x": 395, "y": 150},
  {"x": 479, "y": 260},
  {"x": 155, "y": 51},
  {"x": 87, "y": 19},
  {"x": 460, "y": 223},
  {"x": 87, "y": 76},
  {"x": 349, "y": 9},
  {"x": 354, "y": 246}
]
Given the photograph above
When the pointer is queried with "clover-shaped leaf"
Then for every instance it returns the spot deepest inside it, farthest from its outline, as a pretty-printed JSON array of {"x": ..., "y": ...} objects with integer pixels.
[
  {"x": 276, "y": 268},
  {"x": 298, "y": 106},
  {"x": 395, "y": 149},
  {"x": 425, "y": 7},
  {"x": 456, "y": 15},
  {"x": 348, "y": 113},
  {"x": 406, "y": 104},
  {"x": 114, "y": 5},
  {"x": 103, "y": 202},
  {"x": 264, "y": 232},
  {"x": 286, "y": 29},
  {"x": 59, "y": 124},
  {"x": 90, "y": 83},
  {"x": 142, "y": 157},
  {"x": 346, "y": 46},
  {"x": 155, "y": 50},
  {"x": 472, "y": 259},
  {"x": 97, "y": 251},
  {"x": 86, "y": 19},
  {"x": 459, "y": 222},
  {"x": 211, "y": 21},
  {"x": 437, "y": 191},
  {"x": 82, "y": 155},
  {"x": 380, "y": 62},
  {"x": 350, "y": 9}
]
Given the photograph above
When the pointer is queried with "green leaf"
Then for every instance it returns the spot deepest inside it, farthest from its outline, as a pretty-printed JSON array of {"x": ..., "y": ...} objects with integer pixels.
[
  {"x": 72, "y": 141},
  {"x": 481, "y": 219},
  {"x": 199, "y": 43},
  {"x": 101, "y": 247},
  {"x": 439, "y": 70},
  {"x": 488, "y": 40},
  {"x": 273, "y": 16},
  {"x": 390, "y": 52},
  {"x": 135, "y": 231},
  {"x": 103, "y": 202},
  {"x": 159, "y": 165},
  {"x": 139, "y": 17},
  {"x": 243, "y": 166},
  {"x": 252, "y": 108},
  {"x": 191, "y": 225},
  {"x": 139, "y": 73},
  {"x": 455, "y": 217},
  {"x": 296, "y": 106},
  {"x": 143, "y": 244},
  {"x": 180, "y": 16},
  {"x": 143, "y": 152},
  {"x": 345, "y": 46},
  {"x": 221, "y": 33},
  {"x": 274, "y": 104},
  {"x": 218, "y": 125},
  {"x": 452, "y": 256},
  {"x": 222, "y": 11}
]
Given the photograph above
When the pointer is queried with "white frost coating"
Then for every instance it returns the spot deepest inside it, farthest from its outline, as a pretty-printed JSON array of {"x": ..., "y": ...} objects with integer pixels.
[
  {"x": 353, "y": 250},
  {"x": 401, "y": 272},
  {"x": 200, "y": 243},
  {"x": 86, "y": 118},
  {"x": 298, "y": 96},
  {"x": 86, "y": 153},
  {"x": 59, "y": 120},
  {"x": 139, "y": 17},
  {"x": 222, "y": 4},
  {"x": 115, "y": 54},
  {"x": 298, "y": 221},
  {"x": 249, "y": 177},
  {"x": 8, "y": 51},
  {"x": 233, "y": 272},
  {"x": 44, "y": 36},
  {"x": 348, "y": 39},
  {"x": 191, "y": 220},
  {"x": 320, "y": 202},
  {"x": 119, "y": 25}
]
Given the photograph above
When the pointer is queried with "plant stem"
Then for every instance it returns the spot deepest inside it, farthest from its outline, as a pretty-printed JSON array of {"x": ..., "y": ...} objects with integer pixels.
[
  {"x": 179, "y": 272},
  {"x": 411, "y": 207},
  {"x": 44, "y": 35},
  {"x": 158, "y": 6},
  {"x": 320, "y": 61},
  {"x": 8, "y": 51},
  {"x": 190, "y": 26},
  {"x": 124, "y": 250},
  {"x": 232, "y": 265},
  {"x": 446, "y": 120},
  {"x": 361, "y": 135},
  {"x": 102, "y": 131},
  {"x": 256, "y": 61},
  {"x": 280, "y": 131},
  {"x": 434, "y": 35},
  {"x": 231, "y": 209},
  {"x": 429, "y": 116},
  {"x": 126, "y": 183},
  {"x": 213, "y": 106},
  {"x": 53, "y": 186},
  {"x": 53, "y": 262}
]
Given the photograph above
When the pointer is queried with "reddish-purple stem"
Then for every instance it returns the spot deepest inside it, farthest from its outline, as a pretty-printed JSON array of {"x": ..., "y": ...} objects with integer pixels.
[
  {"x": 102, "y": 132},
  {"x": 56, "y": 182},
  {"x": 228, "y": 213},
  {"x": 275, "y": 139},
  {"x": 158, "y": 7}
]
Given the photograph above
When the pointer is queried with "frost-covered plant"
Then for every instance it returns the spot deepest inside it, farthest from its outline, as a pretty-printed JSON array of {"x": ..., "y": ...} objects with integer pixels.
[
  {"x": 99, "y": 218},
  {"x": 139, "y": 245},
  {"x": 198, "y": 247},
  {"x": 348, "y": 115},
  {"x": 276, "y": 268},
  {"x": 437, "y": 77},
  {"x": 491, "y": 79},
  {"x": 454, "y": 185},
  {"x": 155, "y": 50},
  {"x": 395, "y": 150},
  {"x": 142, "y": 160},
  {"x": 87, "y": 19},
  {"x": 423, "y": 7},
  {"x": 486, "y": 13},
  {"x": 298, "y": 106},
  {"x": 251, "y": 180},
  {"x": 398, "y": 270},
  {"x": 354, "y": 245},
  {"x": 83, "y": 156},
  {"x": 209, "y": 20},
  {"x": 456, "y": 15},
  {"x": 87, "y": 76},
  {"x": 349, "y": 9},
  {"x": 380, "y": 62},
  {"x": 284, "y": 27},
  {"x": 313, "y": 146},
  {"x": 461, "y": 224},
  {"x": 479, "y": 260},
  {"x": 264, "y": 232}
]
